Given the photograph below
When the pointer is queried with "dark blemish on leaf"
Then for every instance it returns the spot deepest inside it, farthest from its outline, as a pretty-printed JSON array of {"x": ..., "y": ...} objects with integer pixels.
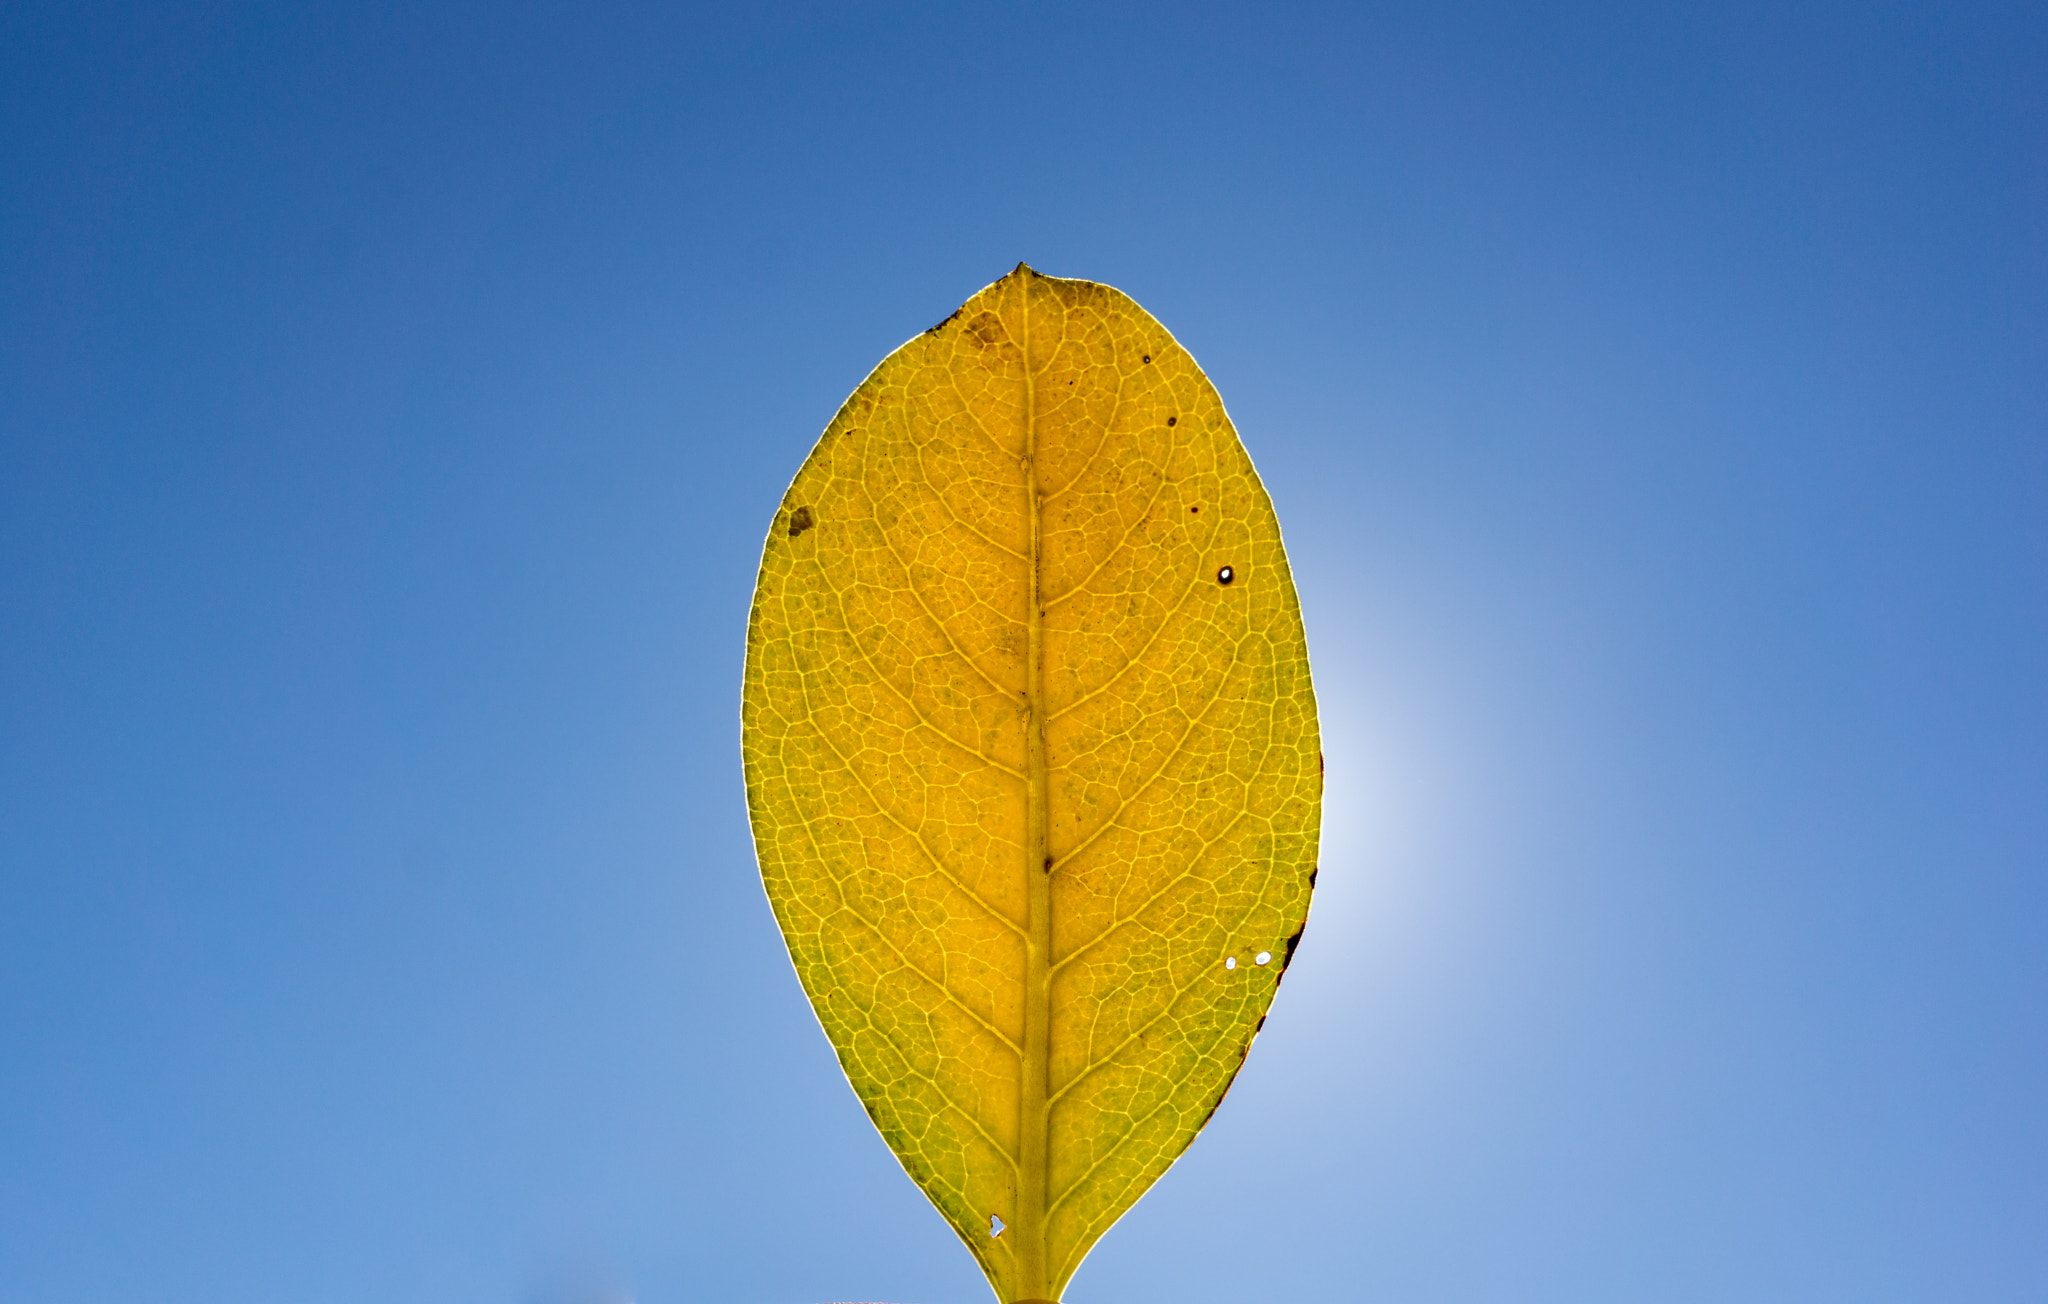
[
  {"x": 1194, "y": 509},
  {"x": 1312, "y": 877},
  {"x": 1287, "y": 956},
  {"x": 1225, "y": 575},
  {"x": 949, "y": 317},
  {"x": 1173, "y": 421},
  {"x": 799, "y": 521},
  {"x": 1319, "y": 763},
  {"x": 1048, "y": 864},
  {"x": 1260, "y": 1026},
  {"x": 1148, "y": 357}
]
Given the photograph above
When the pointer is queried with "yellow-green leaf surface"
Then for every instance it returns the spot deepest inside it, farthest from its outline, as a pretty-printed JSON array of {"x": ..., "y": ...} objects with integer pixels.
[{"x": 1032, "y": 759}]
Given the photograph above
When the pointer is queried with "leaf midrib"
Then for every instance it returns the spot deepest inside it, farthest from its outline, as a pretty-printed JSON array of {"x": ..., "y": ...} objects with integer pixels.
[{"x": 1033, "y": 1142}]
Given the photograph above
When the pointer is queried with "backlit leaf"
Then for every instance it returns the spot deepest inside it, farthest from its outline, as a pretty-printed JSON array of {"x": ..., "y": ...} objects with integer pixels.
[{"x": 1032, "y": 760}]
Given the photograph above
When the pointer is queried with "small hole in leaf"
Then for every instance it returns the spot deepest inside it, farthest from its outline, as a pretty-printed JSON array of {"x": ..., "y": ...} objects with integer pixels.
[
  {"x": 1230, "y": 962},
  {"x": 1148, "y": 357},
  {"x": 995, "y": 1226},
  {"x": 1263, "y": 957},
  {"x": 1225, "y": 575}
]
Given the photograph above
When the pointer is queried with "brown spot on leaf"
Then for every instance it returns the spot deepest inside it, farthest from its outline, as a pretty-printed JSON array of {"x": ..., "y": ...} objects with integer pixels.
[
  {"x": 1287, "y": 956},
  {"x": 799, "y": 521},
  {"x": 985, "y": 328}
]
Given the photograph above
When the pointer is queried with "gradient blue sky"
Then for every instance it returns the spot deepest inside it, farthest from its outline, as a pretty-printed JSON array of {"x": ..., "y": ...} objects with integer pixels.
[{"x": 392, "y": 401}]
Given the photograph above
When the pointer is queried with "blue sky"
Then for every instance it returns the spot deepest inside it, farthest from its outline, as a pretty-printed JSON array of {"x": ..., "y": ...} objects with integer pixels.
[{"x": 392, "y": 402}]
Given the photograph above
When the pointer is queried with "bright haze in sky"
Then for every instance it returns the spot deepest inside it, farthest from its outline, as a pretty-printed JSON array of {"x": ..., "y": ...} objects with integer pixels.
[{"x": 393, "y": 399}]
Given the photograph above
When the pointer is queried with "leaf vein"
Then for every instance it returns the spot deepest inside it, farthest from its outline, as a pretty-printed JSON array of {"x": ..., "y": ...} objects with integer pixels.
[
  {"x": 1136, "y": 657},
  {"x": 1115, "y": 548},
  {"x": 917, "y": 713},
  {"x": 1149, "y": 901},
  {"x": 1179, "y": 743},
  {"x": 916, "y": 836}
]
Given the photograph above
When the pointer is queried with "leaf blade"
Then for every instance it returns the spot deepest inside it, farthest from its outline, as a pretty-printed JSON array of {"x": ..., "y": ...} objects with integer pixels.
[{"x": 1031, "y": 746}]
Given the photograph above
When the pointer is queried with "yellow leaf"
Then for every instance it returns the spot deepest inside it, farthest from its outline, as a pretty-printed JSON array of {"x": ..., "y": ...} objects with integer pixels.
[{"x": 1032, "y": 759}]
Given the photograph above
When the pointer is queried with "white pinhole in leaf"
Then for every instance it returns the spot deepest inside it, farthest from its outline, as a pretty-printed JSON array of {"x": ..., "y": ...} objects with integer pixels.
[
  {"x": 1262, "y": 957},
  {"x": 995, "y": 1226},
  {"x": 1230, "y": 962}
]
